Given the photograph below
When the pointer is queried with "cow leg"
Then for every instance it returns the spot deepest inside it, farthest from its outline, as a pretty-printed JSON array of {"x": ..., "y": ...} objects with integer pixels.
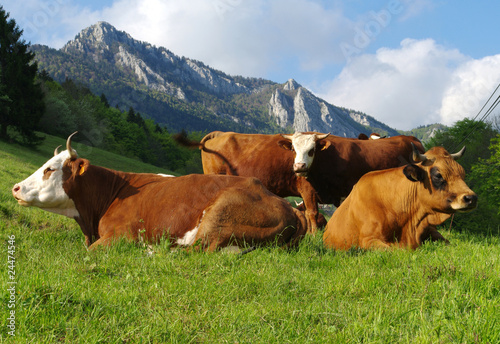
[
  {"x": 103, "y": 241},
  {"x": 110, "y": 236},
  {"x": 373, "y": 243},
  {"x": 371, "y": 234},
  {"x": 432, "y": 234},
  {"x": 310, "y": 199}
]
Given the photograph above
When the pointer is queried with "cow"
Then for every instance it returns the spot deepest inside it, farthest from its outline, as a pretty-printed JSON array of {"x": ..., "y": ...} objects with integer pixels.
[
  {"x": 314, "y": 166},
  {"x": 212, "y": 210},
  {"x": 401, "y": 207}
]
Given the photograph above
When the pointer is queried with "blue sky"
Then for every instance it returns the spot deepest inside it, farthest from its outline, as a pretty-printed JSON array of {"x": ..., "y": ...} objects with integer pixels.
[{"x": 405, "y": 62}]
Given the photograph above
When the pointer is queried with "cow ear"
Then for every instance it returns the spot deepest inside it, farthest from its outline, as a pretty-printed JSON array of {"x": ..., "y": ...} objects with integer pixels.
[
  {"x": 80, "y": 166},
  {"x": 285, "y": 144},
  {"x": 414, "y": 173},
  {"x": 323, "y": 144}
]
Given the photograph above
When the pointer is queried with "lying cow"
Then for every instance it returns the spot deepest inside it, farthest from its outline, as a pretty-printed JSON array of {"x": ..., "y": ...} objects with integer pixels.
[
  {"x": 316, "y": 167},
  {"x": 215, "y": 210},
  {"x": 402, "y": 206}
]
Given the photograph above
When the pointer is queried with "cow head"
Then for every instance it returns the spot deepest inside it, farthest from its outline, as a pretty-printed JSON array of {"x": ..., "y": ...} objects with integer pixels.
[
  {"x": 44, "y": 188},
  {"x": 443, "y": 177},
  {"x": 304, "y": 145}
]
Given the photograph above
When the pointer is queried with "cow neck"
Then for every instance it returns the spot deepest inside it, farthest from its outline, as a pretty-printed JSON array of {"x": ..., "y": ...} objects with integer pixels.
[
  {"x": 421, "y": 217},
  {"x": 93, "y": 192}
]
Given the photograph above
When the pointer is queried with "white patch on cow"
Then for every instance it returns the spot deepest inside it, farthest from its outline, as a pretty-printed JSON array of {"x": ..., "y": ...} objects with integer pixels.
[
  {"x": 166, "y": 175},
  {"x": 44, "y": 188},
  {"x": 189, "y": 237},
  {"x": 68, "y": 210},
  {"x": 375, "y": 137},
  {"x": 303, "y": 145}
]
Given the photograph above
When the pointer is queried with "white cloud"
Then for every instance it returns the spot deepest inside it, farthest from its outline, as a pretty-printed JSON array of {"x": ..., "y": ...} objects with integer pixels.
[
  {"x": 421, "y": 82},
  {"x": 237, "y": 36},
  {"x": 243, "y": 37},
  {"x": 470, "y": 87}
]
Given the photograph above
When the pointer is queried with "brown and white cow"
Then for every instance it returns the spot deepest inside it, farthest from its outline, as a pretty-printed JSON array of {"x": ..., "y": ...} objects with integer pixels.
[
  {"x": 402, "y": 206},
  {"x": 215, "y": 210},
  {"x": 314, "y": 166}
]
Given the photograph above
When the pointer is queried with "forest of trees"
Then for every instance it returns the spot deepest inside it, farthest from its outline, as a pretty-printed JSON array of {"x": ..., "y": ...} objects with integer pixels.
[
  {"x": 481, "y": 162},
  {"x": 21, "y": 100}
]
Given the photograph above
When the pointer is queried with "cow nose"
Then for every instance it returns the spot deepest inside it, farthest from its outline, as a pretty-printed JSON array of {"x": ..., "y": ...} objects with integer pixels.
[
  {"x": 300, "y": 166},
  {"x": 16, "y": 189},
  {"x": 470, "y": 199}
]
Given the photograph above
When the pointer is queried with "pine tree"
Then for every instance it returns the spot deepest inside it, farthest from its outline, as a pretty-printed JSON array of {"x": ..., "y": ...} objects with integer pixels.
[
  {"x": 104, "y": 100},
  {"x": 24, "y": 106}
]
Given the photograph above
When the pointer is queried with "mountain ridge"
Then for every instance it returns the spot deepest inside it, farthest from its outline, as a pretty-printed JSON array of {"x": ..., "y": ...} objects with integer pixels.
[{"x": 182, "y": 93}]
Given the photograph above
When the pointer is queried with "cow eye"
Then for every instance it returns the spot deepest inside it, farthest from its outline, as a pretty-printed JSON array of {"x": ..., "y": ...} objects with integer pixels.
[
  {"x": 311, "y": 152},
  {"x": 437, "y": 179},
  {"x": 47, "y": 171}
]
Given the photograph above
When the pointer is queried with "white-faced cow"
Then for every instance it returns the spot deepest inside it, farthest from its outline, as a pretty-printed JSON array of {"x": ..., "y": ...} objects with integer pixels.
[
  {"x": 402, "y": 206},
  {"x": 314, "y": 166},
  {"x": 215, "y": 210}
]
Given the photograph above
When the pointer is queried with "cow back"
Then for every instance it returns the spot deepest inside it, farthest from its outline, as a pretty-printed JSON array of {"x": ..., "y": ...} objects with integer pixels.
[
  {"x": 336, "y": 169},
  {"x": 250, "y": 155}
]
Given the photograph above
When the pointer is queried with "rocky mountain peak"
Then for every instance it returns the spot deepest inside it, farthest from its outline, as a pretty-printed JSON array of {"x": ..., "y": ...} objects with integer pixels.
[
  {"x": 291, "y": 85},
  {"x": 164, "y": 86},
  {"x": 98, "y": 37}
]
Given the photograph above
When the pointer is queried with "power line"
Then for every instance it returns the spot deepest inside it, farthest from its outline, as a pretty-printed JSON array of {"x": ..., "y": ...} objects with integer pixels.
[
  {"x": 487, "y": 102},
  {"x": 488, "y": 112}
]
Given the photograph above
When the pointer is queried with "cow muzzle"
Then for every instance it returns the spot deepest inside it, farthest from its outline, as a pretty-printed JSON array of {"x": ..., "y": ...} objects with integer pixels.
[
  {"x": 469, "y": 202},
  {"x": 300, "y": 169},
  {"x": 16, "y": 192}
]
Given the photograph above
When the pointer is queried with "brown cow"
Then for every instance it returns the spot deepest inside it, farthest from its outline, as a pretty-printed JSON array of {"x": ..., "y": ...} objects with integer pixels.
[
  {"x": 216, "y": 210},
  {"x": 316, "y": 167},
  {"x": 401, "y": 206}
]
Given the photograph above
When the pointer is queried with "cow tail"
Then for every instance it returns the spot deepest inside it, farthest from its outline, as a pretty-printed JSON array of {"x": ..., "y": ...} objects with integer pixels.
[{"x": 183, "y": 140}]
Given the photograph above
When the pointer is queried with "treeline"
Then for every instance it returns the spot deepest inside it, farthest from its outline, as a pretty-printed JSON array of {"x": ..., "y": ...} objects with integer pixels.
[{"x": 70, "y": 106}]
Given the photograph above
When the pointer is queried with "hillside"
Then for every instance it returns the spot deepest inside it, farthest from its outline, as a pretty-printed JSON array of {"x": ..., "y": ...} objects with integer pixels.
[
  {"x": 181, "y": 93},
  {"x": 43, "y": 152}
]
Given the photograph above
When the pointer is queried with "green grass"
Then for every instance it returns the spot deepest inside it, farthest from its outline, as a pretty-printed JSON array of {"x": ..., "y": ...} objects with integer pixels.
[{"x": 132, "y": 293}]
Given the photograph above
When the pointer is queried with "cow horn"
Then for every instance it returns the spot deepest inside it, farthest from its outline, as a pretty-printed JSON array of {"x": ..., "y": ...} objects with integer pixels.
[
  {"x": 322, "y": 136},
  {"x": 458, "y": 155},
  {"x": 287, "y": 136},
  {"x": 71, "y": 151},
  {"x": 417, "y": 156},
  {"x": 56, "y": 151}
]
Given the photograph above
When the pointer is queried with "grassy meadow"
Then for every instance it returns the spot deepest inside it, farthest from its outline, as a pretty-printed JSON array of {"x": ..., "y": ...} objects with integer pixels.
[{"x": 136, "y": 293}]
